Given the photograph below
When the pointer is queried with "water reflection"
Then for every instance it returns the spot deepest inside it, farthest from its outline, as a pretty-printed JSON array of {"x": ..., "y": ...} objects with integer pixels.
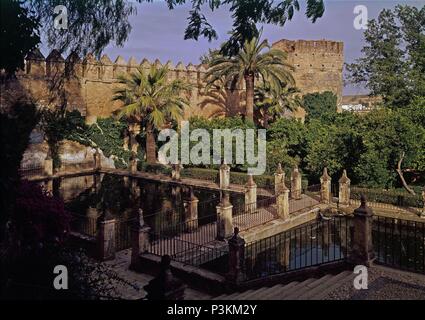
[{"x": 100, "y": 195}]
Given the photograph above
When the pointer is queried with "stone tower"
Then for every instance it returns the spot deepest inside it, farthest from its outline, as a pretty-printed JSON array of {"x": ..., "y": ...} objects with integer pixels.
[{"x": 317, "y": 64}]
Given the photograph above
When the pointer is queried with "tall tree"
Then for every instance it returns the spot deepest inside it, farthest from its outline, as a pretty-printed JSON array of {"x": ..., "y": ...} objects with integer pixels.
[
  {"x": 250, "y": 63},
  {"x": 246, "y": 14},
  {"x": 393, "y": 63},
  {"x": 151, "y": 100}
]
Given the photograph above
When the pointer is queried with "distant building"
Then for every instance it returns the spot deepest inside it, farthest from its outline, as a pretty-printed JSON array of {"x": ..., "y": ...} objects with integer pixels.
[{"x": 359, "y": 103}]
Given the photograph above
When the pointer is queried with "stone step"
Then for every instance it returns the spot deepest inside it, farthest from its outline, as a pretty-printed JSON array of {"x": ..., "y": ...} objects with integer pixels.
[
  {"x": 259, "y": 292},
  {"x": 283, "y": 294},
  {"x": 309, "y": 287},
  {"x": 279, "y": 288},
  {"x": 333, "y": 284}
]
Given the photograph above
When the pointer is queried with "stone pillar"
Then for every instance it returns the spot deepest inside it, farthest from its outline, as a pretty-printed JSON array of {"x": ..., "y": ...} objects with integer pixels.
[
  {"x": 48, "y": 166},
  {"x": 224, "y": 218},
  {"x": 140, "y": 241},
  {"x": 279, "y": 178},
  {"x": 176, "y": 171},
  {"x": 250, "y": 195},
  {"x": 165, "y": 286},
  {"x": 325, "y": 187},
  {"x": 362, "y": 252},
  {"x": 295, "y": 183},
  {"x": 224, "y": 176},
  {"x": 282, "y": 202},
  {"x": 106, "y": 237},
  {"x": 236, "y": 258},
  {"x": 191, "y": 211},
  {"x": 97, "y": 160},
  {"x": 344, "y": 190}
]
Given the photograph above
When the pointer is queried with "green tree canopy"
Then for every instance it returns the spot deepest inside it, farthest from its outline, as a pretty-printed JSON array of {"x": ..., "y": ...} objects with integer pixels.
[{"x": 393, "y": 62}]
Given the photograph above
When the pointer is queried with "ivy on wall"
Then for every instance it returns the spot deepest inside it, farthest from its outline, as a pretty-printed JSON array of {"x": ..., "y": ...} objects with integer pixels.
[{"x": 107, "y": 134}]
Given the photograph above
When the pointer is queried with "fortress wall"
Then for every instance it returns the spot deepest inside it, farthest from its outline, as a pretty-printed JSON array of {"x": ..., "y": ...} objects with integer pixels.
[
  {"x": 88, "y": 84},
  {"x": 318, "y": 64}
]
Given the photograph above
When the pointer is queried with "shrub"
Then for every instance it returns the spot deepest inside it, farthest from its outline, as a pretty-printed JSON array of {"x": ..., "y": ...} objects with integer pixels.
[{"x": 397, "y": 198}]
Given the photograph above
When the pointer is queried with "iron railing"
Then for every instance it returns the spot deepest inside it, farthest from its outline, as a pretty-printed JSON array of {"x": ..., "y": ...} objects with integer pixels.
[
  {"x": 253, "y": 214},
  {"x": 84, "y": 225},
  {"x": 184, "y": 251},
  {"x": 123, "y": 233},
  {"x": 399, "y": 243},
  {"x": 312, "y": 244}
]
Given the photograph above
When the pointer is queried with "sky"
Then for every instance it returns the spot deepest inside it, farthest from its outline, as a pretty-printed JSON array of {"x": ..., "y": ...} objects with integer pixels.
[{"x": 158, "y": 32}]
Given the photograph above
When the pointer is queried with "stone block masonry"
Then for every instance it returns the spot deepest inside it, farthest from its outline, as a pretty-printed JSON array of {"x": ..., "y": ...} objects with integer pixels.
[{"x": 317, "y": 64}]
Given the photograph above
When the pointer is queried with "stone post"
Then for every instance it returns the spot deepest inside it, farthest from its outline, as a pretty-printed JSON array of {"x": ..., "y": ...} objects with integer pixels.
[
  {"x": 165, "y": 286},
  {"x": 362, "y": 252},
  {"x": 250, "y": 195},
  {"x": 279, "y": 178},
  {"x": 423, "y": 199},
  {"x": 191, "y": 211},
  {"x": 140, "y": 241},
  {"x": 48, "y": 166},
  {"x": 224, "y": 218},
  {"x": 236, "y": 258},
  {"x": 282, "y": 202},
  {"x": 106, "y": 237},
  {"x": 176, "y": 171},
  {"x": 344, "y": 190},
  {"x": 224, "y": 176},
  {"x": 295, "y": 183},
  {"x": 325, "y": 187},
  {"x": 97, "y": 160}
]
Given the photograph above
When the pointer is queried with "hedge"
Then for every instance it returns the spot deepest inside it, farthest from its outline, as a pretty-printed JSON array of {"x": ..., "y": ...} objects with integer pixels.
[{"x": 391, "y": 197}]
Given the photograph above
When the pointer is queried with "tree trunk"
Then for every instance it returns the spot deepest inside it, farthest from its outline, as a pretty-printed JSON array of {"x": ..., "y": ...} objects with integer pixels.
[
  {"x": 249, "y": 83},
  {"x": 400, "y": 174},
  {"x": 150, "y": 145}
]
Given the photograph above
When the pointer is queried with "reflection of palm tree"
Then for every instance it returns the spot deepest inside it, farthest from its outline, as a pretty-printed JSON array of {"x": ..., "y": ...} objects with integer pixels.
[{"x": 250, "y": 63}]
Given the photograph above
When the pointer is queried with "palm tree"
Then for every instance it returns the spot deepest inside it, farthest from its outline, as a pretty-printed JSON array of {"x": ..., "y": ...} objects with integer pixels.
[
  {"x": 249, "y": 64},
  {"x": 151, "y": 100},
  {"x": 272, "y": 102}
]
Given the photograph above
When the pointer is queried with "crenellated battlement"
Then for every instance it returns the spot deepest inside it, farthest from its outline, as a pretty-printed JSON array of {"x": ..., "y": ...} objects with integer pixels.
[
  {"x": 310, "y": 46},
  {"x": 91, "y": 68},
  {"x": 88, "y": 84}
]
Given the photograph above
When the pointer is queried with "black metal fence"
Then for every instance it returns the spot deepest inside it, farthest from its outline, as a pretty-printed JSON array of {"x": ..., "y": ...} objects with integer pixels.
[
  {"x": 253, "y": 214},
  {"x": 185, "y": 251},
  {"x": 399, "y": 243},
  {"x": 84, "y": 225},
  {"x": 312, "y": 244},
  {"x": 123, "y": 233}
]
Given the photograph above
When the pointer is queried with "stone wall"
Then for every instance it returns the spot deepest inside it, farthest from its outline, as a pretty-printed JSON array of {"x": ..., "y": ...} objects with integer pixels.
[
  {"x": 318, "y": 64},
  {"x": 87, "y": 85}
]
